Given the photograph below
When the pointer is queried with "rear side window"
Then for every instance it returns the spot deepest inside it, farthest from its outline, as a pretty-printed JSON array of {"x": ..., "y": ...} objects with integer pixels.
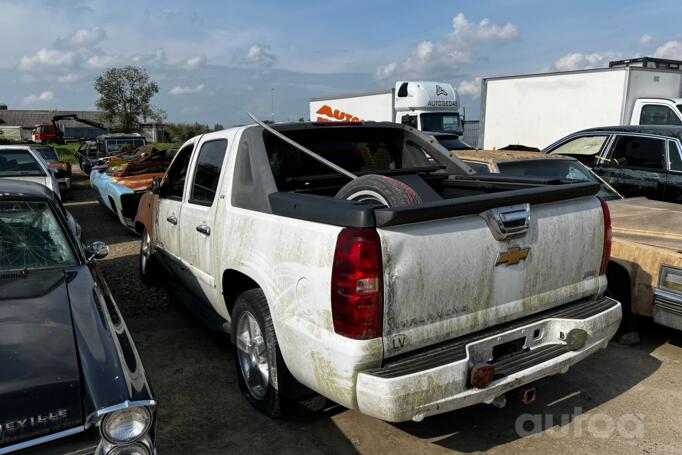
[
  {"x": 642, "y": 152},
  {"x": 209, "y": 164},
  {"x": 674, "y": 156},
  {"x": 174, "y": 184},
  {"x": 655, "y": 114}
]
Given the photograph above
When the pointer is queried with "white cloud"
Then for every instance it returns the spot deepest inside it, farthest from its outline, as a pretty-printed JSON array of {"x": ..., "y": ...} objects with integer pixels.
[
  {"x": 100, "y": 61},
  {"x": 45, "y": 96},
  {"x": 69, "y": 77},
  {"x": 646, "y": 39},
  {"x": 184, "y": 89},
  {"x": 258, "y": 55},
  {"x": 83, "y": 38},
  {"x": 457, "y": 48},
  {"x": 671, "y": 49},
  {"x": 385, "y": 72},
  {"x": 470, "y": 88},
  {"x": 157, "y": 57},
  {"x": 47, "y": 58},
  {"x": 580, "y": 61},
  {"x": 195, "y": 62}
]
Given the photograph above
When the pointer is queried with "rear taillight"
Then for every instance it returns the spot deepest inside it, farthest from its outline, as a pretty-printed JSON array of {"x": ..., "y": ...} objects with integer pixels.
[
  {"x": 606, "y": 252},
  {"x": 357, "y": 289}
]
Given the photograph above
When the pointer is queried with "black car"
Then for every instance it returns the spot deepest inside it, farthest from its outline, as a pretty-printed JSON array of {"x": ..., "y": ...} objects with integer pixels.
[
  {"x": 71, "y": 380},
  {"x": 635, "y": 160},
  {"x": 90, "y": 152}
]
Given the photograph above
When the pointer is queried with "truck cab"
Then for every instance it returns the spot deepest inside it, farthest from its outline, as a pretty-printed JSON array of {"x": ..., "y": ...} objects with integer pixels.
[
  {"x": 657, "y": 111},
  {"x": 428, "y": 106},
  {"x": 44, "y": 133}
]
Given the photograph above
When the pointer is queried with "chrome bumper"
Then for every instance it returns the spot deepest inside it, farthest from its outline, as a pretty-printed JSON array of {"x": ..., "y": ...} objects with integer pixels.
[
  {"x": 437, "y": 380},
  {"x": 668, "y": 309}
]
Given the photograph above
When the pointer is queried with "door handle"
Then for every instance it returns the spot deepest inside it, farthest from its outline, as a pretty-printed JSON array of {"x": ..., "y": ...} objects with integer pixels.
[
  {"x": 203, "y": 229},
  {"x": 172, "y": 219}
]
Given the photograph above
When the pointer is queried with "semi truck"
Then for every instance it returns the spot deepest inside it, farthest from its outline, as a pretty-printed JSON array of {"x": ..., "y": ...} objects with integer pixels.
[
  {"x": 427, "y": 106},
  {"x": 537, "y": 109}
]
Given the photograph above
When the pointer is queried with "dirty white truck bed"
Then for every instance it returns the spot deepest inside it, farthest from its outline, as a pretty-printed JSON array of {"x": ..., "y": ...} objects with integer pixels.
[{"x": 401, "y": 312}]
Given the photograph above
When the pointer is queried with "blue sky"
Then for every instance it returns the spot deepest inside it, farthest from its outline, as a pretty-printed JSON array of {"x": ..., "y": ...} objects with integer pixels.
[{"x": 214, "y": 60}]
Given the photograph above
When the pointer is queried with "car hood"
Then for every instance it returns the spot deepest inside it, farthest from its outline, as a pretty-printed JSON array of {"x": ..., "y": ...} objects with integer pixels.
[
  {"x": 645, "y": 221},
  {"x": 137, "y": 182},
  {"x": 40, "y": 381}
]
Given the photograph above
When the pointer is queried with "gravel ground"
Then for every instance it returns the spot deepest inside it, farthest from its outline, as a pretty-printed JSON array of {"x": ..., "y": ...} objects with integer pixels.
[{"x": 621, "y": 400}]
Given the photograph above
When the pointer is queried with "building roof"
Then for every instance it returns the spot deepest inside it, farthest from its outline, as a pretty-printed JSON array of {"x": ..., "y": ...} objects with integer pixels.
[{"x": 29, "y": 118}]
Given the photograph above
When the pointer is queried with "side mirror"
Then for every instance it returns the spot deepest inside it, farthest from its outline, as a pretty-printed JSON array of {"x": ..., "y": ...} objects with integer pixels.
[
  {"x": 410, "y": 120},
  {"x": 156, "y": 185},
  {"x": 96, "y": 249}
]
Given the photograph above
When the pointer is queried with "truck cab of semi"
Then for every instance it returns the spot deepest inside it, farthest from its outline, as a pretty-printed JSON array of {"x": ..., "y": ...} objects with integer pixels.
[{"x": 428, "y": 106}]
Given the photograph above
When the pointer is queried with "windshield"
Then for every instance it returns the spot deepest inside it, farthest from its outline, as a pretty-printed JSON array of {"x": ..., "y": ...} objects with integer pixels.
[
  {"x": 557, "y": 169},
  {"x": 18, "y": 163},
  {"x": 440, "y": 121},
  {"x": 116, "y": 145},
  {"x": 48, "y": 154},
  {"x": 453, "y": 143},
  {"x": 31, "y": 237}
]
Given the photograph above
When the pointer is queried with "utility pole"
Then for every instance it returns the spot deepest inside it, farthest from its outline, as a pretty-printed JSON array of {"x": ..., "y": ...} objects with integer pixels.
[{"x": 273, "y": 104}]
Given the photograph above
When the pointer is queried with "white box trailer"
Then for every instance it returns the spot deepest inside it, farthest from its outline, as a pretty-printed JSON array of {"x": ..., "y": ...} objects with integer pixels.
[
  {"x": 537, "y": 109},
  {"x": 428, "y": 106}
]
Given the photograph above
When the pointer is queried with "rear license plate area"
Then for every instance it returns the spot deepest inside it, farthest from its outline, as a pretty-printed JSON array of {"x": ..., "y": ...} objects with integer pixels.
[{"x": 508, "y": 349}]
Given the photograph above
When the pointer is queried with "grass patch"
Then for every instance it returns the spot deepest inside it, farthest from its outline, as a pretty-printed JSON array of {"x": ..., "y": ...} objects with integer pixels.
[{"x": 66, "y": 152}]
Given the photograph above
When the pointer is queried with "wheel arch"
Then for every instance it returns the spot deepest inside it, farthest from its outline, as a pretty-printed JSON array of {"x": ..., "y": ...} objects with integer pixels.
[
  {"x": 618, "y": 276},
  {"x": 234, "y": 283}
]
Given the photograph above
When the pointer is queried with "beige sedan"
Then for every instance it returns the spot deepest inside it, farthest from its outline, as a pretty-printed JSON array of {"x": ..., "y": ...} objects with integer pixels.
[{"x": 646, "y": 256}]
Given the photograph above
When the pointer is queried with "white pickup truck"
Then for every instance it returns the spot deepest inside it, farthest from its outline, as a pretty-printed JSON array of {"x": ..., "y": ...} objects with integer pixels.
[{"x": 480, "y": 286}]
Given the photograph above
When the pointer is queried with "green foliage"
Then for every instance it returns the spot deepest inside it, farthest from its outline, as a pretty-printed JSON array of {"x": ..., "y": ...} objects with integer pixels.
[
  {"x": 125, "y": 97},
  {"x": 66, "y": 152},
  {"x": 180, "y": 132},
  {"x": 159, "y": 146}
]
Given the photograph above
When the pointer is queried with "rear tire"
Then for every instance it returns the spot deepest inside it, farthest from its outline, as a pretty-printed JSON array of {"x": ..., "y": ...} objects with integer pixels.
[
  {"x": 149, "y": 268},
  {"x": 263, "y": 378},
  {"x": 381, "y": 189}
]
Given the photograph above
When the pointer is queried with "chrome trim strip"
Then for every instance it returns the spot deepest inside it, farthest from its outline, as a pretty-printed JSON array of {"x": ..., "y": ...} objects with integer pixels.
[
  {"x": 42, "y": 440},
  {"x": 101, "y": 412},
  {"x": 126, "y": 404},
  {"x": 669, "y": 296}
]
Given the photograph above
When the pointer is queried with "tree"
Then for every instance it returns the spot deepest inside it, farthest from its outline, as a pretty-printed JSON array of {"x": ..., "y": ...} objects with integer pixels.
[
  {"x": 125, "y": 97},
  {"x": 180, "y": 132}
]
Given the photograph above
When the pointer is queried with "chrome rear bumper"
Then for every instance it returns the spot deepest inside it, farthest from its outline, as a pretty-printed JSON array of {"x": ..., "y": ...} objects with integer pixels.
[{"x": 436, "y": 380}]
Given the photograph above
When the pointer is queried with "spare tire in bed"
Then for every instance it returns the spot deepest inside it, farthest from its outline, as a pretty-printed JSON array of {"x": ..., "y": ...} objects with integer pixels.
[{"x": 379, "y": 188}]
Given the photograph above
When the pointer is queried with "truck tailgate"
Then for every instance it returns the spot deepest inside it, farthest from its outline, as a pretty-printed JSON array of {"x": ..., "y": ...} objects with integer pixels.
[{"x": 448, "y": 278}]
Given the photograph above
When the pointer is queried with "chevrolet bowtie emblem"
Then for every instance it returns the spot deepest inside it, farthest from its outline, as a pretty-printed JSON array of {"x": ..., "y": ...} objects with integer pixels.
[{"x": 513, "y": 256}]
